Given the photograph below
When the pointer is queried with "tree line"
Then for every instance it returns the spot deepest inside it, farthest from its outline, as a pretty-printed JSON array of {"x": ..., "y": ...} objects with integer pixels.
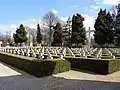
[
  {"x": 77, "y": 36},
  {"x": 107, "y": 27},
  {"x": 107, "y": 30}
]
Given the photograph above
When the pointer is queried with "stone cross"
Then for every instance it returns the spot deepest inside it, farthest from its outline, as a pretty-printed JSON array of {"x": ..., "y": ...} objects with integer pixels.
[{"x": 89, "y": 39}]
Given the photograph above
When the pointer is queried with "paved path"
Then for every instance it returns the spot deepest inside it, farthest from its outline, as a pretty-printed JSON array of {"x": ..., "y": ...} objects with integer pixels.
[{"x": 14, "y": 79}]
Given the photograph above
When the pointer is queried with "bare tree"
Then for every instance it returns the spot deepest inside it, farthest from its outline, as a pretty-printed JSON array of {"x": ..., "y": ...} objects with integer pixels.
[
  {"x": 31, "y": 34},
  {"x": 50, "y": 19},
  {"x": 1, "y": 36},
  {"x": 31, "y": 31}
]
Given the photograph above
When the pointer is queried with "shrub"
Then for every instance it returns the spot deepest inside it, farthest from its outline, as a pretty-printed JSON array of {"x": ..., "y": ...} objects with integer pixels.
[
  {"x": 35, "y": 66},
  {"x": 100, "y": 66},
  {"x": 114, "y": 65}
]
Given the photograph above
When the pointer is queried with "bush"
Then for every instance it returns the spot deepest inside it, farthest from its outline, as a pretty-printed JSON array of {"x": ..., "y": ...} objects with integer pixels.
[
  {"x": 99, "y": 66},
  {"x": 34, "y": 66},
  {"x": 114, "y": 65}
]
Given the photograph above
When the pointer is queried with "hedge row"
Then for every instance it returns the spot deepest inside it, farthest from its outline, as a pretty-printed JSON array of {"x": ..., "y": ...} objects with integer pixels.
[
  {"x": 114, "y": 65},
  {"x": 34, "y": 66},
  {"x": 40, "y": 68},
  {"x": 99, "y": 66}
]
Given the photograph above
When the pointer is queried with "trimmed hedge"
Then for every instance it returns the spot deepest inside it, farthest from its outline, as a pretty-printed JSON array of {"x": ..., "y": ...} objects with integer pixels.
[
  {"x": 99, "y": 66},
  {"x": 114, "y": 65},
  {"x": 35, "y": 66}
]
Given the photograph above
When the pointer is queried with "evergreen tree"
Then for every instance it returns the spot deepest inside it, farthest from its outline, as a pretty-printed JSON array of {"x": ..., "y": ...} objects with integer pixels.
[
  {"x": 39, "y": 35},
  {"x": 73, "y": 36},
  {"x": 57, "y": 36},
  {"x": 21, "y": 35},
  {"x": 78, "y": 31},
  {"x": 100, "y": 33},
  {"x": 110, "y": 25},
  {"x": 117, "y": 33}
]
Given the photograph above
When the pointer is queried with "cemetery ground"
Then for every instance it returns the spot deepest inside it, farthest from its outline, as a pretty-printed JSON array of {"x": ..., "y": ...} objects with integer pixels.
[
  {"x": 14, "y": 79},
  {"x": 59, "y": 68}
]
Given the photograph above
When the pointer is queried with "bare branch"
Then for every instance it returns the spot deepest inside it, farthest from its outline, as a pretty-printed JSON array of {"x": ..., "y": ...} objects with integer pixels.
[{"x": 50, "y": 19}]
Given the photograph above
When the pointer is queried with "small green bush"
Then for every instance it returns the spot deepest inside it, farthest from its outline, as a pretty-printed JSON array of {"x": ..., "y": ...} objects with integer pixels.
[
  {"x": 35, "y": 66},
  {"x": 114, "y": 65},
  {"x": 100, "y": 66}
]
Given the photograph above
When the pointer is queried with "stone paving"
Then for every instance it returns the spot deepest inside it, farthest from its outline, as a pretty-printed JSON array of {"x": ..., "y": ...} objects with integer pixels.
[{"x": 14, "y": 79}]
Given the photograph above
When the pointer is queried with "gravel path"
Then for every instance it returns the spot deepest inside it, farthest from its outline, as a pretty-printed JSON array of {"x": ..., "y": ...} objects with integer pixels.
[{"x": 14, "y": 79}]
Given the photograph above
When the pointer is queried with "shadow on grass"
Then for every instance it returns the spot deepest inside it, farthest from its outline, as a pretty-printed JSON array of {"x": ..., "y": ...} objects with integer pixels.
[{"x": 23, "y": 82}]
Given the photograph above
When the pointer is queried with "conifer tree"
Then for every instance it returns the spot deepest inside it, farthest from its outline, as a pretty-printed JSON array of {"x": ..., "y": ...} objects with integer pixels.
[
  {"x": 39, "y": 35},
  {"x": 117, "y": 32},
  {"x": 110, "y": 25},
  {"x": 78, "y": 31},
  {"x": 57, "y": 36},
  {"x": 21, "y": 35},
  {"x": 100, "y": 28}
]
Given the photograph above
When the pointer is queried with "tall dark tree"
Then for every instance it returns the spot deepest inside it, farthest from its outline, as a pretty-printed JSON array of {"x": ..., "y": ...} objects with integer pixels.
[
  {"x": 21, "y": 35},
  {"x": 73, "y": 37},
  {"x": 100, "y": 33},
  {"x": 117, "y": 33},
  {"x": 110, "y": 25},
  {"x": 57, "y": 36},
  {"x": 66, "y": 33},
  {"x": 78, "y": 31},
  {"x": 39, "y": 35},
  {"x": 50, "y": 19}
]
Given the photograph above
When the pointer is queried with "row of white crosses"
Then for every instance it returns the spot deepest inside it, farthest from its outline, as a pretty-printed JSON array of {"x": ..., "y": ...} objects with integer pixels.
[
  {"x": 117, "y": 50},
  {"x": 77, "y": 51},
  {"x": 70, "y": 51},
  {"x": 87, "y": 52},
  {"x": 109, "y": 52},
  {"x": 83, "y": 52},
  {"x": 93, "y": 51},
  {"x": 114, "y": 51},
  {"x": 49, "y": 54},
  {"x": 61, "y": 52},
  {"x": 99, "y": 53},
  {"x": 21, "y": 51}
]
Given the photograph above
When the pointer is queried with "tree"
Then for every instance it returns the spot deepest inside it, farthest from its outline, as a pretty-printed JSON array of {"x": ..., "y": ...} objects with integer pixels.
[
  {"x": 32, "y": 35},
  {"x": 100, "y": 33},
  {"x": 73, "y": 37},
  {"x": 50, "y": 19},
  {"x": 39, "y": 35},
  {"x": 78, "y": 31},
  {"x": 8, "y": 37},
  {"x": 113, "y": 12},
  {"x": 4, "y": 39},
  {"x": 66, "y": 32},
  {"x": 1, "y": 36},
  {"x": 21, "y": 35},
  {"x": 110, "y": 25},
  {"x": 117, "y": 32},
  {"x": 57, "y": 36}
]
